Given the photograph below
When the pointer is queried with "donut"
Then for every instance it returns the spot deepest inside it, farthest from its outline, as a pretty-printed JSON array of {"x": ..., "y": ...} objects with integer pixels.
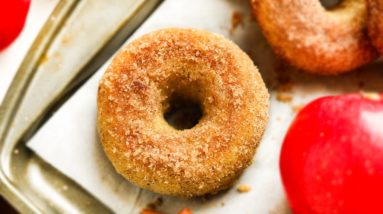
[
  {"x": 181, "y": 67},
  {"x": 315, "y": 39},
  {"x": 375, "y": 23}
]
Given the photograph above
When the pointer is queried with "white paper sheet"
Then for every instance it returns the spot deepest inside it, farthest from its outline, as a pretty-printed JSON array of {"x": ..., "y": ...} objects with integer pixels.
[{"x": 69, "y": 141}]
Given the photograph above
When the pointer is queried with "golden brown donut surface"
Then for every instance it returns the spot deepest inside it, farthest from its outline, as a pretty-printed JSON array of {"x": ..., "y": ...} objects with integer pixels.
[
  {"x": 375, "y": 23},
  {"x": 138, "y": 87},
  {"x": 316, "y": 39}
]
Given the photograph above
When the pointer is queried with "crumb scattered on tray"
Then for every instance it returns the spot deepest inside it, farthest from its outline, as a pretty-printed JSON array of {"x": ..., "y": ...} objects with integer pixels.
[
  {"x": 185, "y": 211},
  {"x": 236, "y": 20},
  {"x": 243, "y": 188},
  {"x": 297, "y": 108},
  {"x": 66, "y": 39},
  {"x": 371, "y": 95},
  {"x": 16, "y": 151},
  {"x": 285, "y": 87},
  {"x": 155, "y": 204},
  {"x": 282, "y": 97}
]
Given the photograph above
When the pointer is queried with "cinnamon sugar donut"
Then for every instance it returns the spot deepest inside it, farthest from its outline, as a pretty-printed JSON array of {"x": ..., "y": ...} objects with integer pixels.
[
  {"x": 170, "y": 66},
  {"x": 316, "y": 39},
  {"x": 375, "y": 23}
]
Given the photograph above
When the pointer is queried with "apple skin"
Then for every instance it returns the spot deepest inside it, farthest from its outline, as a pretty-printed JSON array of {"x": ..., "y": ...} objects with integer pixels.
[
  {"x": 13, "y": 14},
  {"x": 332, "y": 156}
]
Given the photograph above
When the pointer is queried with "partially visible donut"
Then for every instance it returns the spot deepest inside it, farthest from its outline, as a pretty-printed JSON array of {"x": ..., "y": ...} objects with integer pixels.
[
  {"x": 375, "y": 23},
  {"x": 315, "y": 39},
  {"x": 181, "y": 64}
]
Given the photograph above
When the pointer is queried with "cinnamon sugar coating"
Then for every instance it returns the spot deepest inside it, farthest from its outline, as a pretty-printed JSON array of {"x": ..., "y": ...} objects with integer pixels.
[
  {"x": 316, "y": 39},
  {"x": 375, "y": 23},
  {"x": 134, "y": 94}
]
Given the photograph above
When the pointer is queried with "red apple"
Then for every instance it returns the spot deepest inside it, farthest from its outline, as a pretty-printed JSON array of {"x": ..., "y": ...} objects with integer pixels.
[
  {"x": 332, "y": 156},
  {"x": 12, "y": 19}
]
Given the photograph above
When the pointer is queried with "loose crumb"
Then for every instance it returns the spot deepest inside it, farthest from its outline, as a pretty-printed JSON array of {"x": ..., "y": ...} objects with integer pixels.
[
  {"x": 236, "y": 20},
  {"x": 371, "y": 95},
  {"x": 16, "y": 151},
  {"x": 155, "y": 204},
  {"x": 286, "y": 98},
  {"x": 185, "y": 211},
  {"x": 66, "y": 39},
  {"x": 297, "y": 108},
  {"x": 285, "y": 87},
  {"x": 243, "y": 188}
]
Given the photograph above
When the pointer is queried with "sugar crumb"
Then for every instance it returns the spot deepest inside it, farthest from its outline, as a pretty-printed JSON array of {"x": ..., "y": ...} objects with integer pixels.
[
  {"x": 236, "y": 20},
  {"x": 297, "y": 108},
  {"x": 156, "y": 203},
  {"x": 243, "y": 188},
  {"x": 285, "y": 98}
]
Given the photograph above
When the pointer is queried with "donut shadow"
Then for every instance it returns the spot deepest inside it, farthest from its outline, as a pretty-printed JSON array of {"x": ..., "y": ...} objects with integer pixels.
[{"x": 366, "y": 78}]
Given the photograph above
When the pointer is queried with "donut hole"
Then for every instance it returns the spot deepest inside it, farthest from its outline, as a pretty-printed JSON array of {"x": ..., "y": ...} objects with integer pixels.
[
  {"x": 182, "y": 112},
  {"x": 329, "y": 4}
]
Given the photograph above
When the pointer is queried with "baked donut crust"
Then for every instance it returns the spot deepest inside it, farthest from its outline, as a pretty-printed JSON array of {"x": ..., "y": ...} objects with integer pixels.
[
  {"x": 134, "y": 93},
  {"x": 316, "y": 39},
  {"x": 375, "y": 23}
]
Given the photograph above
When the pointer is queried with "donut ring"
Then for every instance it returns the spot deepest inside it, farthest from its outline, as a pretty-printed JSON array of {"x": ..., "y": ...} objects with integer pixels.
[
  {"x": 315, "y": 39},
  {"x": 375, "y": 23},
  {"x": 136, "y": 91}
]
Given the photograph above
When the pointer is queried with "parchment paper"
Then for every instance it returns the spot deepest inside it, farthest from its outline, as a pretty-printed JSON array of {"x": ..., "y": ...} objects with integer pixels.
[{"x": 69, "y": 141}]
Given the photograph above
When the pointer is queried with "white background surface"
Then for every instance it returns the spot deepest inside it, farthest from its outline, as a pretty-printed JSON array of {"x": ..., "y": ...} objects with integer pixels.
[{"x": 11, "y": 57}]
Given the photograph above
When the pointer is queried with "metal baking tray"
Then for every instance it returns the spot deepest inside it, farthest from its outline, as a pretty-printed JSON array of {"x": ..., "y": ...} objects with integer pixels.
[{"x": 62, "y": 57}]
